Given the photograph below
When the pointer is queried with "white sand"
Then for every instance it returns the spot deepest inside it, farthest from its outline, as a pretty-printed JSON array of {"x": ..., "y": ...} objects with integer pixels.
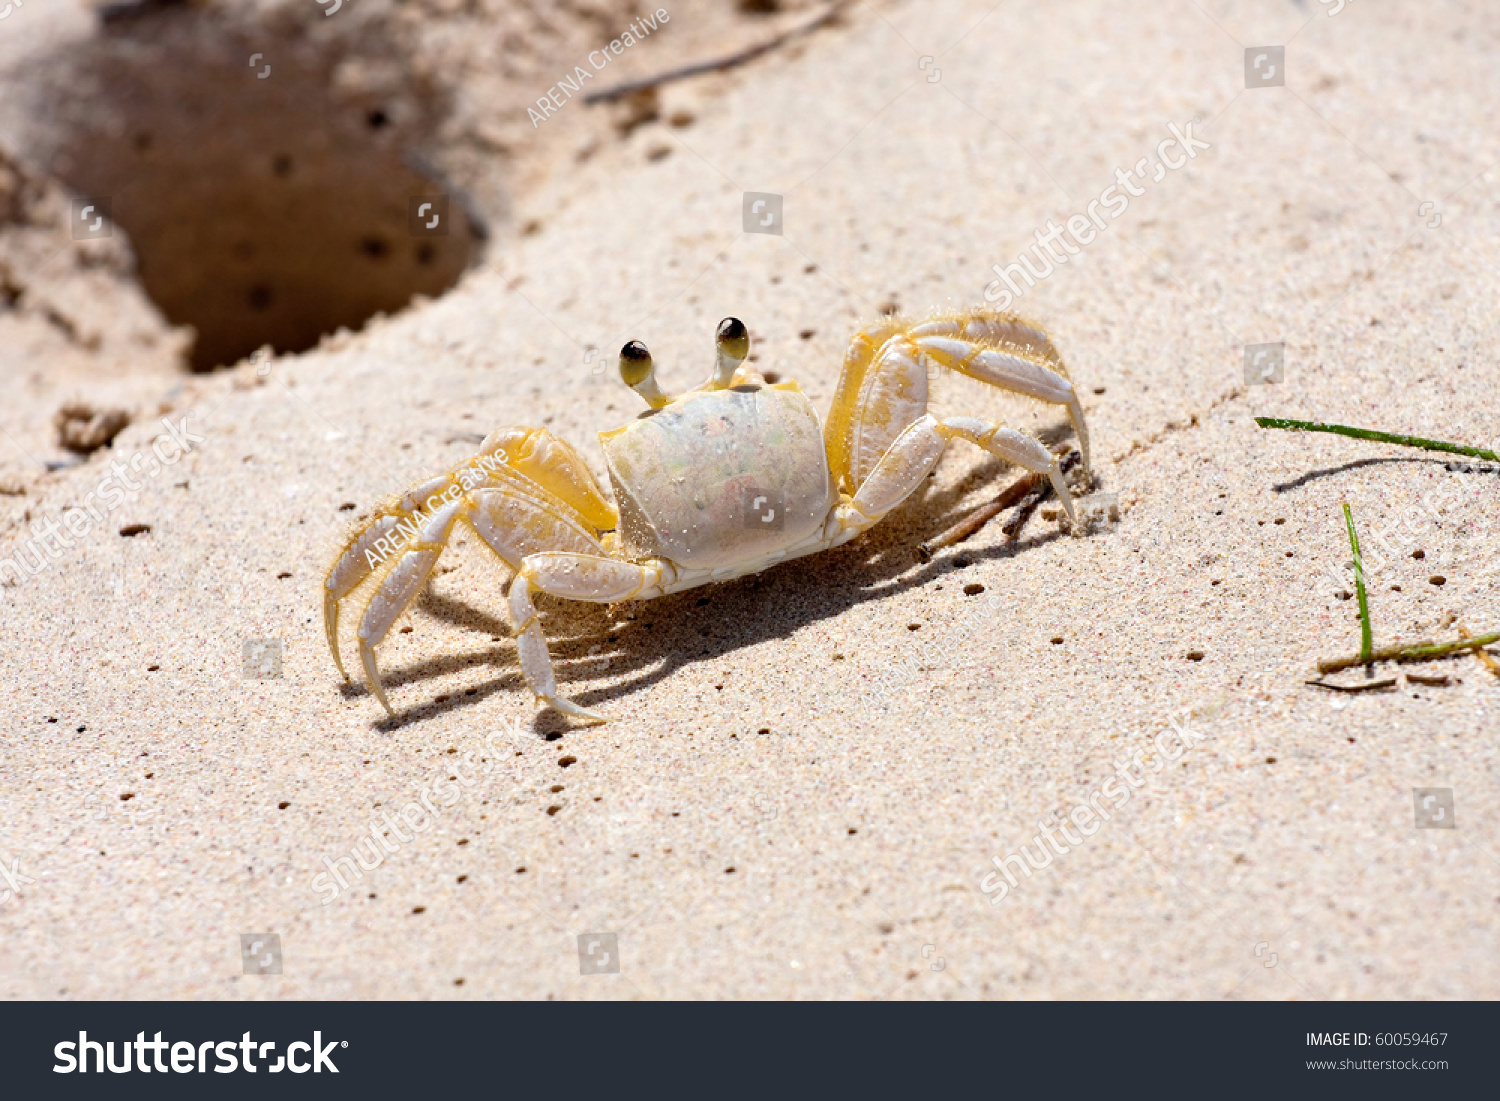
[{"x": 859, "y": 827}]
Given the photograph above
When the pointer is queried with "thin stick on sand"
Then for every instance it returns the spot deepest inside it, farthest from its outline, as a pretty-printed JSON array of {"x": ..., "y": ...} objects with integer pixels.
[
  {"x": 1389, "y": 682},
  {"x": 1011, "y": 495},
  {"x": 1421, "y": 651},
  {"x": 966, "y": 527},
  {"x": 717, "y": 64},
  {"x": 1481, "y": 653}
]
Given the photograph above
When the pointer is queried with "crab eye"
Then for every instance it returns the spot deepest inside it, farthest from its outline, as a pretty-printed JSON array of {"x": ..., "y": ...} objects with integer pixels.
[
  {"x": 733, "y": 346},
  {"x": 734, "y": 341},
  {"x": 635, "y": 363},
  {"x": 637, "y": 370}
]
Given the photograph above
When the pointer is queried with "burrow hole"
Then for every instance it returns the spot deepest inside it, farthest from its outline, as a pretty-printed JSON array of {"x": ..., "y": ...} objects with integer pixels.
[{"x": 262, "y": 210}]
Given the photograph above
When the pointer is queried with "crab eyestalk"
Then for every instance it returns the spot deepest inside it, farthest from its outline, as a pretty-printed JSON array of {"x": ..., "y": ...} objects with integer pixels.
[
  {"x": 733, "y": 343},
  {"x": 639, "y": 374}
]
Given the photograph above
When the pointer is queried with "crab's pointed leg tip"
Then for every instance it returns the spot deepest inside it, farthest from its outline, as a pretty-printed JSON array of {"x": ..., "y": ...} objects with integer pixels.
[
  {"x": 576, "y": 711},
  {"x": 1060, "y": 487},
  {"x": 367, "y": 657}
]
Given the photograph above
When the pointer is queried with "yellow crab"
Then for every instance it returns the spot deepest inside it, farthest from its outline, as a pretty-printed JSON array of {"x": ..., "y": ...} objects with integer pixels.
[{"x": 725, "y": 480}]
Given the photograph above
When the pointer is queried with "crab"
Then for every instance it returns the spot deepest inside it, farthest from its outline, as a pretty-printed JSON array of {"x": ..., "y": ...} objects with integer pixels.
[{"x": 724, "y": 480}]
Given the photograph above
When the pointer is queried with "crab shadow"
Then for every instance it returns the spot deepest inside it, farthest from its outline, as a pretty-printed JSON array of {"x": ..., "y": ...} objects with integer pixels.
[{"x": 638, "y": 645}]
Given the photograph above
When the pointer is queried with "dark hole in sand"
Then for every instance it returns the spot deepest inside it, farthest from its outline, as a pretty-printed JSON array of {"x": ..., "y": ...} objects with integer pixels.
[{"x": 262, "y": 210}]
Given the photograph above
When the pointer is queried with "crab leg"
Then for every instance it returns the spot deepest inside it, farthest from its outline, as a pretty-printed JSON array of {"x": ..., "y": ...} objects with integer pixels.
[
  {"x": 881, "y": 390},
  {"x": 994, "y": 329},
  {"x": 546, "y": 465},
  {"x": 883, "y": 387},
  {"x": 397, "y": 590},
  {"x": 514, "y": 518},
  {"x": 917, "y": 450},
  {"x": 512, "y": 523},
  {"x": 590, "y": 577},
  {"x": 1010, "y": 368}
]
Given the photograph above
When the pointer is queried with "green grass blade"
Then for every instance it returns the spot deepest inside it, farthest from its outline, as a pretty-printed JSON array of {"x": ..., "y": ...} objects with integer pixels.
[
  {"x": 1379, "y": 437},
  {"x": 1366, "y": 635}
]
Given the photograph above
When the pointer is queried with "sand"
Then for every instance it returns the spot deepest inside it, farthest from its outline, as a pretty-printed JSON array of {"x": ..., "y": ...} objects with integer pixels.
[{"x": 810, "y": 771}]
